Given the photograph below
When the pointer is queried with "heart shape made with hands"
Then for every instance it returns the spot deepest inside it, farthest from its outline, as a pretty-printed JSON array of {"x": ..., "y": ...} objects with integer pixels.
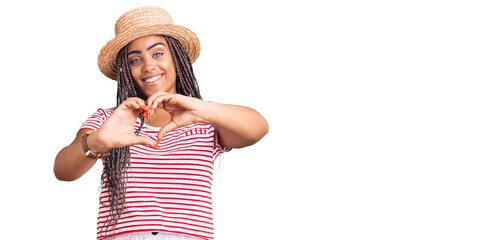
[
  {"x": 183, "y": 110},
  {"x": 118, "y": 130}
]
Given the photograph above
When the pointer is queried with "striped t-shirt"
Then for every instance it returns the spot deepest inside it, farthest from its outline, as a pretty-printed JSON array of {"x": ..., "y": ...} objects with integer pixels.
[{"x": 168, "y": 189}]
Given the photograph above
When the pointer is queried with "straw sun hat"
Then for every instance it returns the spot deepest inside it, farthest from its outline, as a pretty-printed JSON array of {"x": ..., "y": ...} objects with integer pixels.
[{"x": 141, "y": 22}]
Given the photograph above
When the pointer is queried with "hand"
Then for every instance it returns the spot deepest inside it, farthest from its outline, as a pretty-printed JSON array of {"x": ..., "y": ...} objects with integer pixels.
[
  {"x": 184, "y": 110},
  {"x": 118, "y": 130}
]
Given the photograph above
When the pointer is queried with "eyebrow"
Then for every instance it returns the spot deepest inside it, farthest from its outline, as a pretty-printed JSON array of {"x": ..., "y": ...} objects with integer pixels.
[{"x": 150, "y": 47}]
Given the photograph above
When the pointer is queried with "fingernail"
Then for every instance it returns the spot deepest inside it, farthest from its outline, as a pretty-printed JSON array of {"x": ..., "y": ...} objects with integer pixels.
[{"x": 155, "y": 147}]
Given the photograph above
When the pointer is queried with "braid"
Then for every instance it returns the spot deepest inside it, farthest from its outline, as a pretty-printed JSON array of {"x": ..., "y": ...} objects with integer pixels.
[
  {"x": 114, "y": 175},
  {"x": 116, "y": 165},
  {"x": 186, "y": 83}
]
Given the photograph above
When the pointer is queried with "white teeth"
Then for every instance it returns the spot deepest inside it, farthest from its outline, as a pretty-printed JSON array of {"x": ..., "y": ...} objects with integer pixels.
[{"x": 152, "y": 79}]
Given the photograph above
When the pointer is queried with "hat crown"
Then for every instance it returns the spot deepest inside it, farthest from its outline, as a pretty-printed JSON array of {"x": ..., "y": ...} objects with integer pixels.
[{"x": 142, "y": 17}]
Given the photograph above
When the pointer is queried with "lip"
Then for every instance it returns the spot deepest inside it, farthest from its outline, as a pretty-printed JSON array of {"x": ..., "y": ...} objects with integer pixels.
[{"x": 150, "y": 77}]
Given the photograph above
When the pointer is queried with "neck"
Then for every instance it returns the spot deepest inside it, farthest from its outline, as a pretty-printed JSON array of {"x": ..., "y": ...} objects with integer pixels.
[{"x": 159, "y": 118}]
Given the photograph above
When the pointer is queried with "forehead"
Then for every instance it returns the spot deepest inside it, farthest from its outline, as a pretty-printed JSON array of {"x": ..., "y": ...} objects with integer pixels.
[{"x": 144, "y": 42}]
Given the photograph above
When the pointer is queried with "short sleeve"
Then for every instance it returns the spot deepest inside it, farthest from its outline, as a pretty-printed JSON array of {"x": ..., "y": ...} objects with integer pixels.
[
  {"x": 218, "y": 149},
  {"x": 95, "y": 121}
]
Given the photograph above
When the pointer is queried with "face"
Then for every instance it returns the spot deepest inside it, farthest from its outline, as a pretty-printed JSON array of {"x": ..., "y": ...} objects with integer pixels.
[{"x": 151, "y": 65}]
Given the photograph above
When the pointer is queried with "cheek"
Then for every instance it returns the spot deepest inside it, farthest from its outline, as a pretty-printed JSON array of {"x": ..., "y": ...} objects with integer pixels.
[
  {"x": 171, "y": 72},
  {"x": 135, "y": 73},
  {"x": 172, "y": 75}
]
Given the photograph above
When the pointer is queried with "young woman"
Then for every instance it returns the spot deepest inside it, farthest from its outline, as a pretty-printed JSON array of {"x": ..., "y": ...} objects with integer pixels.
[{"x": 159, "y": 144}]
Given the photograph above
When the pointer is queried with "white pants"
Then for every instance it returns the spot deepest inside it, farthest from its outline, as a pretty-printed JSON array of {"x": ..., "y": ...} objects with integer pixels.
[{"x": 150, "y": 236}]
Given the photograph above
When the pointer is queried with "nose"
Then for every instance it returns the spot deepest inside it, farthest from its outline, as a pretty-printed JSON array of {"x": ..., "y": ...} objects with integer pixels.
[{"x": 149, "y": 65}]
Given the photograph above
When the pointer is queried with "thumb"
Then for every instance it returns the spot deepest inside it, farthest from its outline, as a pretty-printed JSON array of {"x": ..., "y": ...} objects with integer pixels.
[
  {"x": 143, "y": 140},
  {"x": 165, "y": 130}
]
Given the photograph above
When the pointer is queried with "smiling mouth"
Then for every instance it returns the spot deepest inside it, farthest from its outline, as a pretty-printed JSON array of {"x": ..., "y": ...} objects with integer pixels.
[{"x": 152, "y": 80}]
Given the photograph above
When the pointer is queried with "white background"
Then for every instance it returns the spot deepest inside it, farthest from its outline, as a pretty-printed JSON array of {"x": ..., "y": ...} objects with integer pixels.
[{"x": 385, "y": 116}]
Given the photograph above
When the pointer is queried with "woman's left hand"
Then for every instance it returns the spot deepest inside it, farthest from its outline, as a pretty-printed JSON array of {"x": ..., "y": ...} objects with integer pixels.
[
  {"x": 184, "y": 110},
  {"x": 237, "y": 126}
]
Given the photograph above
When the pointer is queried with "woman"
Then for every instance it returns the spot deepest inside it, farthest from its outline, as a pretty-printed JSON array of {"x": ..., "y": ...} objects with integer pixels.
[{"x": 159, "y": 144}]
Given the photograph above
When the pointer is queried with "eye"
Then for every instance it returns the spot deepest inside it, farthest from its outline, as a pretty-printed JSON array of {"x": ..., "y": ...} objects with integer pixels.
[
  {"x": 158, "y": 55},
  {"x": 134, "y": 61}
]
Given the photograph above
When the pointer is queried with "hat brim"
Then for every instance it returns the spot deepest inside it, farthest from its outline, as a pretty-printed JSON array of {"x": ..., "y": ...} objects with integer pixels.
[{"x": 107, "y": 58}]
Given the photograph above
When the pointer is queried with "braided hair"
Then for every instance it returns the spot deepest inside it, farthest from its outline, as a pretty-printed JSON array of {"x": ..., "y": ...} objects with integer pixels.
[{"x": 116, "y": 166}]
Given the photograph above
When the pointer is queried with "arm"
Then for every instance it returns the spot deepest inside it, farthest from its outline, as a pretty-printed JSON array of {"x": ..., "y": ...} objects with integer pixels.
[
  {"x": 237, "y": 126},
  {"x": 71, "y": 162},
  {"x": 116, "y": 132}
]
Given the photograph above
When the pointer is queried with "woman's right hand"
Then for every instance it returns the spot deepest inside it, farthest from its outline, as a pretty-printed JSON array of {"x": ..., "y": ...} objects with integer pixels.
[{"x": 118, "y": 130}]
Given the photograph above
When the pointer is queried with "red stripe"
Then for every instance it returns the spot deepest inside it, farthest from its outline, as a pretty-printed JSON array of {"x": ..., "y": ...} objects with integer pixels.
[
  {"x": 161, "y": 193},
  {"x": 163, "y": 225},
  {"x": 199, "y": 141},
  {"x": 158, "y": 230},
  {"x": 133, "y": 180},
  {"x": 180, "y": 199},
  {"x": 176, "y": 154},
  {"x": 174, "y": 147},
  {"x": 160, "y": 211},
  {"x": 168, "y": 188},
  {"x": 181, "y": 169},
  {"x": 170, "y": 183},
  {"x": 161, "y": 173},
  {"x": 168, "y": 178},
  {"x": 153, "y": 201},
  {"x": 166, "y": 221},
  {"x": 135, "y": 214},
  {"x": 160, "y": 202},
  {"x": 171, "y": 164},
  {"x": 167, "y": 208}
]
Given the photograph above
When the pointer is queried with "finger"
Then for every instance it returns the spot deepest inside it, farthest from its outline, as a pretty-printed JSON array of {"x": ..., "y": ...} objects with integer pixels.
[
  {"x": 140, "y": 103},
  {"x": 164, "y": 130},
  {"x": 157, "y": 100},
  {"x": 143, "y": 140},
  {"x": 153, "y": 104},
  {"x": 152, "y": 99},
  {"x": 134, "y": 103},
  {"x": 135, "y": 99}
]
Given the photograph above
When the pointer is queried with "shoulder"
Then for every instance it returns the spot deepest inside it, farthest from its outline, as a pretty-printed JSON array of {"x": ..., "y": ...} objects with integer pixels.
[
  {"x": 103, "y": 113},
  {"x": 106, "y": 111},
  {"x": 197, "y": 128},
  {"x": 97, "y": 118}
]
